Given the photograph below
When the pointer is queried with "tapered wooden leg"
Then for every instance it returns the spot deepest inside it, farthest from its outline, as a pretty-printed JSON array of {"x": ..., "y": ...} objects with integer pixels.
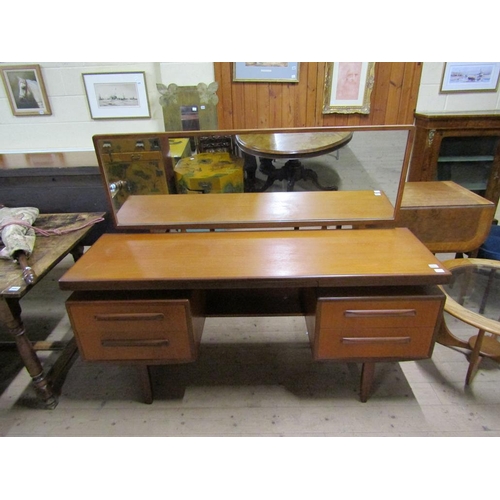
[
  {"x": 57, "y": 374},
  {"x": 10, "y": 316},
  {"x": 475, "y": 358},
  {"x": 147, "y": 388},
  {"x": 367, "y": 375}
]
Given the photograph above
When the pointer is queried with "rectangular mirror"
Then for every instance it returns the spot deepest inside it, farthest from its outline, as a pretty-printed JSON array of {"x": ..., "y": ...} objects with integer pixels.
[{"x": 240, "y": 179}]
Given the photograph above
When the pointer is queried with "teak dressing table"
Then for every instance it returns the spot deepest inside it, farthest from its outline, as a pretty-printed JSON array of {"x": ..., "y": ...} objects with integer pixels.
[{"x": 368, "y": 291}]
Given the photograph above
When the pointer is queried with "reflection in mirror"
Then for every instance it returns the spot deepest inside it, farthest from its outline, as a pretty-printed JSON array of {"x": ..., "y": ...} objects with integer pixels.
[
  {"x": 343, "y": 161},
  {"x": 328, "y": 160}
]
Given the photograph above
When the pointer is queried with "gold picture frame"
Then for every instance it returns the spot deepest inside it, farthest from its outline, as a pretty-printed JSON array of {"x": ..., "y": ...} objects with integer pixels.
[
  {"x": 470, "y": 77},
  {"x": 348, "y": 87},
  {"x": 266, "y": 72},
  {"x": 26, "y": 90}
]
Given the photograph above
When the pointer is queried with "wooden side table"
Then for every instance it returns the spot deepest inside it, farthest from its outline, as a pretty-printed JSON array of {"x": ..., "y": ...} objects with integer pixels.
[
  {"x": 445, "y": 216},
  {"x": 48, "y": 251}
]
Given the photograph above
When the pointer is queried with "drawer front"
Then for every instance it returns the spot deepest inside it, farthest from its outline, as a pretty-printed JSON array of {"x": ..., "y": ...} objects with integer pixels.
[
  {"x": 133, "y": 330},
  {"x": 376, "y": 327},
  {"x": 378, "y": 313},
  {"x": 366, "y": 343}
]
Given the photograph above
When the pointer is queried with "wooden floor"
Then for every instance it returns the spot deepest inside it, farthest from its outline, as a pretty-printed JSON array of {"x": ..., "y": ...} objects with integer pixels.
[{"x": 255, "y": 377}]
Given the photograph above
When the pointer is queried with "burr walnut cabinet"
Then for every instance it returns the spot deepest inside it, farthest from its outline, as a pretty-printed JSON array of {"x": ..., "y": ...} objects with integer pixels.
[{"x": 460, "y": 147}]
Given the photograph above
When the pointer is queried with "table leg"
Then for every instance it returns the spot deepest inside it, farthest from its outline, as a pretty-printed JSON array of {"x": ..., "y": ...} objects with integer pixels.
[
  {"x": 273, "y": 174},
  {"x": 146, "y": 383},
  {"x": 77, "y": 252},
  {"x": 367, "y": 375},
  {"x": 475, "y": 358},
  {"x": 292, "y": 171},
  {"x": 308, "y": 174},
  {"x": 250, "y": 168},
  {"x": 10, "y": 314}
]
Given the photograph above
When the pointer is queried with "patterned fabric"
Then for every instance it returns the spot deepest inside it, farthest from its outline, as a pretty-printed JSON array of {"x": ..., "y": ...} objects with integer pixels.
[{"x": 15, "y": 237}]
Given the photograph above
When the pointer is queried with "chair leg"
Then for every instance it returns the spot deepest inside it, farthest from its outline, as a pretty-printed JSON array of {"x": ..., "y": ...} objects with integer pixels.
[{"x": 475, "y": 358}]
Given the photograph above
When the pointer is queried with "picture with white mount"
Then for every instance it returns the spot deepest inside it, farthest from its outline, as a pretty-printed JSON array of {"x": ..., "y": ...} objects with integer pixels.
[
  {"x": 464, "y": 74},
  {"x": 117, "y": 94},
  {"x": 470, "y": 76}
]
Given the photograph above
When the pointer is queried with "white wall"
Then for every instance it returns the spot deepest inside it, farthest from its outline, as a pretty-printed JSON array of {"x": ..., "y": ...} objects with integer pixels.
[
  {"x": 70, "y": 127},
  {"x": 429, "y": 98}
]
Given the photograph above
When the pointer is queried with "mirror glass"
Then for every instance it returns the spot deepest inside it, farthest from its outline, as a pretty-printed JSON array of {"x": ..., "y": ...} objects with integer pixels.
[{"x": 168, "y": 168}]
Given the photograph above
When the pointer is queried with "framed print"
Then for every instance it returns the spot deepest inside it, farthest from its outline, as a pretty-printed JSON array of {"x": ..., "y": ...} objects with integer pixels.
[
  {"x": 348, "y": 87},
  {"x": 470, "y": 77},
  {"x": 266, "y": 72},
  {"x": 25, "y": 90},
  {"x": 117, "y": 95}
]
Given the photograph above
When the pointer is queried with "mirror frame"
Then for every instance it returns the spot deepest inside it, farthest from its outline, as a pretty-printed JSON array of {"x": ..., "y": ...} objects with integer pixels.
[{"x": 163, "y": 141}]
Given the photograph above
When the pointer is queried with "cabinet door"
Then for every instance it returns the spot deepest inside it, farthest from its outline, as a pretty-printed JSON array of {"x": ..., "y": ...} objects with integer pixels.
[{"x": 469, "y": 161}]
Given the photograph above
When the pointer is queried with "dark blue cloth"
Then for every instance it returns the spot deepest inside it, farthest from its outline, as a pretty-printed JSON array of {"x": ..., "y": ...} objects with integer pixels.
[{"x": 490, "y": 249}]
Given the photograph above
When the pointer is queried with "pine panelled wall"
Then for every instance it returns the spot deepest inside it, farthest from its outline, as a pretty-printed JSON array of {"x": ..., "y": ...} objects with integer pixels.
[{"x": 248, "y": 105}]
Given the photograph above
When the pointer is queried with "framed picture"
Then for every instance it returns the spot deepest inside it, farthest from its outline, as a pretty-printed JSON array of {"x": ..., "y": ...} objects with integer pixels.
[
  {"x": 348, "y": 87},
  {"x": 470, "y": 77},
  {"x": 25, "y": 90},
  {"x": 266, "y": 72},
  {"x": 117, "y": 95}
]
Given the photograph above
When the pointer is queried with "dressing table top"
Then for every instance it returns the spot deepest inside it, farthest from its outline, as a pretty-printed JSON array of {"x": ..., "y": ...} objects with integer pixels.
[
  {"x": 254, "y": 259},
  {"x": 236, "y": 210}
]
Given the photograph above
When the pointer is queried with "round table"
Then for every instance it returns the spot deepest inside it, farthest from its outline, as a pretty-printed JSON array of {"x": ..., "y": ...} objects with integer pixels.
[
  {"x": 290, "y": 147},
  {"x": 473, "y": 296}
]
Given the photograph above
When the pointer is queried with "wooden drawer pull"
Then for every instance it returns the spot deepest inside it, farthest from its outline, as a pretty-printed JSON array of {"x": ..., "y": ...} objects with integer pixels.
[
  {"x": 130, "y": 317},
  {"x": 374, "y": 313},
  {"x": 376, "y": 340},
  {"x": 135, "y": 343}
]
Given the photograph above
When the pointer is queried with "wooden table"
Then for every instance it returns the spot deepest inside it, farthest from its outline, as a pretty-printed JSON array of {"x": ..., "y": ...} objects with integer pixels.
[
  {"x": 291, "y": 147},
  {"x": 254, "y": 210},
  {"x": 472, "y": 297},
  {"x": 445, "y": 216},
  {"x": 367, "y": 295},
  {"x": 48, "y": 251}
]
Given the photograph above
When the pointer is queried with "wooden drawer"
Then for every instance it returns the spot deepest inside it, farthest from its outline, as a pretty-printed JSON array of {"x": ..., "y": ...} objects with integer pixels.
[
  {"x": 374, "y": 343},
  {"x": 368, "y": 312},
  {"x": 374, "y": 327},
  {"x": 154, "y": 330}
]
